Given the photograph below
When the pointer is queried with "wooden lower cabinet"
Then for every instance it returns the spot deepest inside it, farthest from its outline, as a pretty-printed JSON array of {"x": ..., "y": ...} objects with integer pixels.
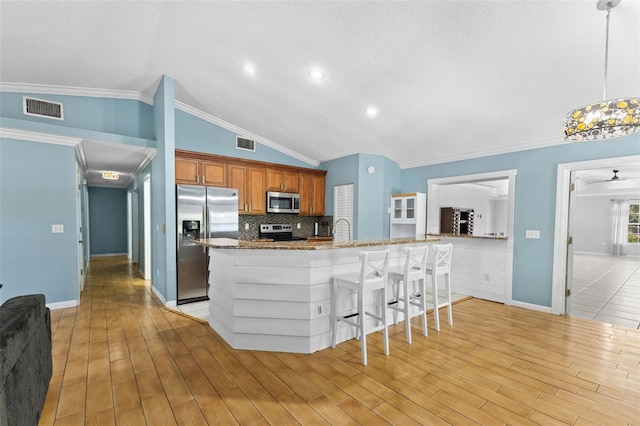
[{"x": 250, "y": 183}]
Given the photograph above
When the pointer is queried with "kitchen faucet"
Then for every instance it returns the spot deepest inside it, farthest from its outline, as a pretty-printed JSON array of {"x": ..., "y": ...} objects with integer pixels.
[{"x": 333, "y": 233}]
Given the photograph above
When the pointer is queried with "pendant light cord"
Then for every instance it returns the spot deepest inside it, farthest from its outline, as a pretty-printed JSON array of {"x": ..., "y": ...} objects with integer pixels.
[{"x": 606, "y": 53}]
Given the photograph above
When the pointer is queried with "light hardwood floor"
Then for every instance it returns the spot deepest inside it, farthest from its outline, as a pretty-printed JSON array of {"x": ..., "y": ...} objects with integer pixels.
[{"x": 122, "y": 358}]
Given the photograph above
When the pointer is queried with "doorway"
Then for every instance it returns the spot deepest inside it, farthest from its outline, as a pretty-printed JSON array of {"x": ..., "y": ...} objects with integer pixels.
[
  {"x": 146, "y": 196},
  {"x": 585, "y": 275}
]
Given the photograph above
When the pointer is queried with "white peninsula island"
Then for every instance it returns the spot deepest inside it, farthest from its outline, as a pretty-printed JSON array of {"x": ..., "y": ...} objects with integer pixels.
[{"x": 276, "y": 296}]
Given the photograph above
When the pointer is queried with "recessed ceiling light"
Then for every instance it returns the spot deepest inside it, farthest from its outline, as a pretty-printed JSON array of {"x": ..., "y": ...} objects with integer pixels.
[
  {"x": 372, "y": 111},
  {"x": 249, "y": 68},
  {"x": 317, "y": 74}
]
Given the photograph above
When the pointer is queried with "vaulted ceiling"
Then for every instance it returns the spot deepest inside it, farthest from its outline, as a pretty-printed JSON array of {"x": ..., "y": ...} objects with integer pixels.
[{"x": 450, "y": 79}]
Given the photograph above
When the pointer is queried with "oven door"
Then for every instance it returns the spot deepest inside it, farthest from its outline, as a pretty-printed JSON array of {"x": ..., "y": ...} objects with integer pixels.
[{"x": 283, "y": 202}]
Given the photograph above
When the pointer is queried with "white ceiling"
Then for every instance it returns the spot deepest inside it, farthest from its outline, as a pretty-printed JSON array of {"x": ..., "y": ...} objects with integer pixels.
[{"x": 451, "y": 79}]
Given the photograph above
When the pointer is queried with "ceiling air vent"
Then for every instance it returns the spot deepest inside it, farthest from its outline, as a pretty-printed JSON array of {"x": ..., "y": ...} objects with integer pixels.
[
  {"x": 246, "y": 144},
  {"x": 41, "y": 108}
]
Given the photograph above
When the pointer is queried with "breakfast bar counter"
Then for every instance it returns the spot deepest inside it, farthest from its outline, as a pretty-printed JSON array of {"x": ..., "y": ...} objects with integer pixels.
[{"x": 276, "y": 296}]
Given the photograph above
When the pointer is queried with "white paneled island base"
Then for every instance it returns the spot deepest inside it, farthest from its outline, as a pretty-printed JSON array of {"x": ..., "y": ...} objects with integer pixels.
[{"x": 277, "y": 296}]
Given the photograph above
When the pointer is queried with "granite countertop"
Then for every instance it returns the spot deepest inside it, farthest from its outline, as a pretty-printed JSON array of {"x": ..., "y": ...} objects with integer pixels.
[
  {"x": 311, "y": 244},
  {"x": 484, "y": 237}
]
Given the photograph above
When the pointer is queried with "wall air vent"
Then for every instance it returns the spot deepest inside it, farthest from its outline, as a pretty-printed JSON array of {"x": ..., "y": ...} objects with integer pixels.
[
  {"x": 246, "y": 144},
  {"x": 42, "y": 108}
]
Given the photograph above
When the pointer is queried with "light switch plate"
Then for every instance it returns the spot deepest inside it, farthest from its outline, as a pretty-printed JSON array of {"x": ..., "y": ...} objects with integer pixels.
[
  {"x": 57, "y": 229},
  {"x": 532, "y": 234}
]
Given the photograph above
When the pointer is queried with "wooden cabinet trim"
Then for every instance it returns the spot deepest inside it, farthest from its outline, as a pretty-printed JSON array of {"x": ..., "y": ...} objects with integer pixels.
[{"x": 179, "y": 153}]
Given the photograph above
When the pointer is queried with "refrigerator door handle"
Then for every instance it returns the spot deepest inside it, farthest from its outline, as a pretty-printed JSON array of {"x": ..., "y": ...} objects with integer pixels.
[{"x": 205, "y": 226}]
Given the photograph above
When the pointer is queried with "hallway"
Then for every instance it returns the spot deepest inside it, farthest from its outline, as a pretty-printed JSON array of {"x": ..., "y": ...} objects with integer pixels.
[{"x": 122, "y": 358}]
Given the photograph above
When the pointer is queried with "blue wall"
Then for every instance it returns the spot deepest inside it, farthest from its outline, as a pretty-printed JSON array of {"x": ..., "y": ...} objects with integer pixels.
[
  {"x": 372, "y": 192},
  {"x": 535, "y": 202},
  {"x": 37, "y": 190},
  {"x": 115, "y": 116},
  {"x": 108, "y": 220},
  {"x": 196, "y": 134}
]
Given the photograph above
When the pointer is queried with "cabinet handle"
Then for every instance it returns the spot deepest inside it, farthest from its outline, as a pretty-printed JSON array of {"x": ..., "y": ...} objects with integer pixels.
[
  {"x": 197, "y": 178},
  {"x": 203, "y": 180}
]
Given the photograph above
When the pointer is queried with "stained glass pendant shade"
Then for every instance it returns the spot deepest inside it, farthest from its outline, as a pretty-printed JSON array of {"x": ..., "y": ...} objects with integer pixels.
[{"x": 607, "y": 119}]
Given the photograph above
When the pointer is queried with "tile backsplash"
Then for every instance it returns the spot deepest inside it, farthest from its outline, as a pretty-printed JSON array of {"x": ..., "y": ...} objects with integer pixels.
[{"x": 307, "y": 224}]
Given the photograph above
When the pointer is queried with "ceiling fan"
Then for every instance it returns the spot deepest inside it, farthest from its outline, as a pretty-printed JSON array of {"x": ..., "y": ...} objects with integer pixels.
[{"x": 614, "y": 178}]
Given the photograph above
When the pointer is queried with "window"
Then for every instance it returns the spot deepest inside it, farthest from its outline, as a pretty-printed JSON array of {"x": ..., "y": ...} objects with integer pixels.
[{"x": 633, "y": 235}]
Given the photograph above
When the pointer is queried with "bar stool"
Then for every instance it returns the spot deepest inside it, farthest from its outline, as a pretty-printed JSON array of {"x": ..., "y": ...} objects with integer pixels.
[
  {"x": 374, "y": 266},
  {"x": 440, "y": 264},
  {"x": 413, "y": 277}
]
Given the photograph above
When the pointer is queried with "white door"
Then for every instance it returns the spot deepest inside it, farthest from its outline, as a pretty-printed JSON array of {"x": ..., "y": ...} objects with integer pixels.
[
  {"x": 146, "y": 194},
  {"x": 80, "y": 247},
  {"x": 135, "y": 226},
  {"x": 570, "y": 231}
]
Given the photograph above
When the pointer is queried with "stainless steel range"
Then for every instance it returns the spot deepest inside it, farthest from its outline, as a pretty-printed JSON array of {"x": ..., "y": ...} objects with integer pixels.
[{"x": 279, "y": 233}]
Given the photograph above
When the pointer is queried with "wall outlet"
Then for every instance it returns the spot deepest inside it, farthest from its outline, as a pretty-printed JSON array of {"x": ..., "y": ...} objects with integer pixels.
[
  {"x": 298, "y": 225},
  {"x": 246, "y": 226},
  {"x": 532, "y": 234},
  {"x": 57, "y": 229}
]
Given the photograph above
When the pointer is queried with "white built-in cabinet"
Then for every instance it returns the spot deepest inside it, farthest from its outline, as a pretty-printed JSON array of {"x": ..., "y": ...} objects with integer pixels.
[{"x": 408, "y": 215}]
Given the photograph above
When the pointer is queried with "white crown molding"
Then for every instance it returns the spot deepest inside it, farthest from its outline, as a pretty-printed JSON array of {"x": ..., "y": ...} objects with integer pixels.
[
  {"x": 75, "y": 91},
  {"x": 542, "y": 143},
  {"x": 26, "y": 135},
  {"x": 244, "y": 133},
  {"x": 133, "y": 95}
]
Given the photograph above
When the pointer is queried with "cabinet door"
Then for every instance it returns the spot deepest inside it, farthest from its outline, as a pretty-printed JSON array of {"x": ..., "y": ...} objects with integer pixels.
[
  {"x": 290, "y": 180},
  {"x": 281, "y": 180},
  {"x": 237, "y": 178},
  {"x": 187, "y": 171},
  {"x": 397, "y": 209},
  {"x": 214, "y": 173},
  {"x": 274, "y": 180},
  {"x": 318, "y": 195},
  {"x": 410, "y": 209},
  {"x": 256, "y": 195},
  {"x": 311, "y": 194},
  {"x": 306, "y": 193}
]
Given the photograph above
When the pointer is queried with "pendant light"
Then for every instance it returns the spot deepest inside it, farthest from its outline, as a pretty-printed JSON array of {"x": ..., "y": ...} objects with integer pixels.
[{"x": 607, "y": 119}]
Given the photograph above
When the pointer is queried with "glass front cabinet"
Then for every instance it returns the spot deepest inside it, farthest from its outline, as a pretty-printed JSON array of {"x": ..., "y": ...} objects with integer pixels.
[{"x": 408, "y": 215}]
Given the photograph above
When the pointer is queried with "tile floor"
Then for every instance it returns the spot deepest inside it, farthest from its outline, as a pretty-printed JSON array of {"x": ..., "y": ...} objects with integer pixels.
[
  {"x": 606, "y": 289},
  {"x": 198, "y": 310}
]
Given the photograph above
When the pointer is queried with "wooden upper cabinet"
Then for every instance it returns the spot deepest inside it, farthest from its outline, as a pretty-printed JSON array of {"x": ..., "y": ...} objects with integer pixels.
[
  {"x": 201, "y": 172},
  {"x": 312, "y": 194},
  {"x": 250, "y": 183},
  {"x": 282, "y": 180},
  {"x": 214, "y": 173},
  {"x": 187, "y": 171}
]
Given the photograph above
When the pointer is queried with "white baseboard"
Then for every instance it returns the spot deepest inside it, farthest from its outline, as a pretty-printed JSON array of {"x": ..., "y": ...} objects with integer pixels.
[
  {"x": 159, "y": 295},
  {"x": 531, "y": 306},
  {"x": 171, "y": 304},
  {"x": 63, "y": 305},
  {"x": 108, "y": 254}
]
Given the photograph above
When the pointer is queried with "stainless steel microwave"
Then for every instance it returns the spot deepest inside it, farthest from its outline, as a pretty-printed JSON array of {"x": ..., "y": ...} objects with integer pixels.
[{"x": 283, "y": 202}]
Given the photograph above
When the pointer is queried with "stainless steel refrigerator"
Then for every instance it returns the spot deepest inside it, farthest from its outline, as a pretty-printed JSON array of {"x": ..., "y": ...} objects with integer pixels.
[{"x": 202, "y": 212}]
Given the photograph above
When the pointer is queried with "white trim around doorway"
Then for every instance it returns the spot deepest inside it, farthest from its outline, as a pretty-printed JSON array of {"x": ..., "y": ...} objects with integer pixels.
[{"x": 559, "y": 278}]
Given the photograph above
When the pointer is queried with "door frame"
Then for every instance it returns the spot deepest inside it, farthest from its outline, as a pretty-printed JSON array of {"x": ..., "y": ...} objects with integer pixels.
[{"x": 561, "y": 231}]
